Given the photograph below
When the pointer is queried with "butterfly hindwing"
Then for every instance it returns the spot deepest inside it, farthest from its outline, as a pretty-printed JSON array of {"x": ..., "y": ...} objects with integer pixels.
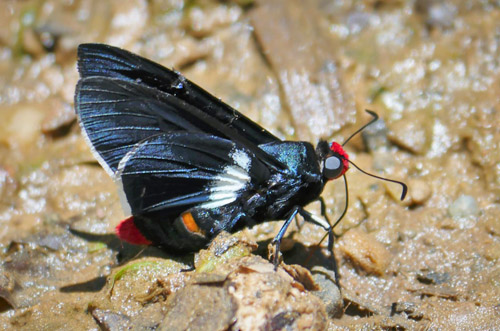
[{"x": 173, "y": 172}]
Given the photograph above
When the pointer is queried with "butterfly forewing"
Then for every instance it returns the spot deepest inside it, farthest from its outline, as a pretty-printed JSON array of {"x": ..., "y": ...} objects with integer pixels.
[
  {"x": 118, "y": 114},
  {"x": 123, "y": 99},
  {"x": 107, "y": 61}
]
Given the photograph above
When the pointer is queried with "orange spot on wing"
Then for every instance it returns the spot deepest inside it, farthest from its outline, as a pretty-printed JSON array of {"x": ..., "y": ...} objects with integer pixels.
[{"x": 190, "y": 223}]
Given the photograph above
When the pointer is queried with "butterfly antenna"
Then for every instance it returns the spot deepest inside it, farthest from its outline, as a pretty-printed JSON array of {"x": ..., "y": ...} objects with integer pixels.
[
  {"x": 374, "y": 119},
  {"x": 405, "y": 187},
  {"x": 346, "y": 203}
]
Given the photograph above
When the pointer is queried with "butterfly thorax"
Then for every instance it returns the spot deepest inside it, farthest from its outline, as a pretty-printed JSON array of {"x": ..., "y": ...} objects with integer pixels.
[{"x": 298, "y": 185}]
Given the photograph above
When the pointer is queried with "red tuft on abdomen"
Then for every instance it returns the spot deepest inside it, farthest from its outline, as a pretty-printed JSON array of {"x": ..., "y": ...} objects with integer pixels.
[{"x": 128, "y": 232}]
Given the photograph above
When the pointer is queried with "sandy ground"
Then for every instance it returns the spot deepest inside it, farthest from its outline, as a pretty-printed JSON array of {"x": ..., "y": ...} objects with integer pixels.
[{"x": 305, "y": 70}]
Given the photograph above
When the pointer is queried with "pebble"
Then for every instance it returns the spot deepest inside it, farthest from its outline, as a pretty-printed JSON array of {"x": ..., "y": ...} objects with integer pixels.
[
  {"x": 412, "y": 133},
  {"x": 365, "y": 252},
  {"x": 420, "y": 191},
  {"x": 24, "y": 125},
  {"x": 464, "y": 206},
  {"x": 328, "y": 291},
  {"x": 438, "y": 13}
]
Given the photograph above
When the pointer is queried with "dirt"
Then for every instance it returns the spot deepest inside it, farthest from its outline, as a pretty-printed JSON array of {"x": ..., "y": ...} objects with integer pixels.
[{"x": 304, "y": 70}]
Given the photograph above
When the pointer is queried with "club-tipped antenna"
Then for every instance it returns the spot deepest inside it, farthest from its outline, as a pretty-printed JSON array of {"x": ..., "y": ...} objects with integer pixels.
[
  {"x": 330, "y": 234},
  {"x": 374, "y": 119},
  {"x": 405, "y": 187}
]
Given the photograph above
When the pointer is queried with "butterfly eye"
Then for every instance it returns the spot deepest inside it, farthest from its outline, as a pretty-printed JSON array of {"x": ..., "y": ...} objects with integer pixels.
[{"x": 333, "y": 167}]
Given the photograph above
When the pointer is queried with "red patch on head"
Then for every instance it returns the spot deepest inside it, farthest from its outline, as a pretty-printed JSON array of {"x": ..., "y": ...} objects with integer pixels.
[
  {"x": 338, "y": 149},
  {"x": 128, "y": 232}
]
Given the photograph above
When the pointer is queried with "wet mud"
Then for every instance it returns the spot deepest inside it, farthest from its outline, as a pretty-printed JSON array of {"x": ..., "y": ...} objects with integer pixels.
[{"x": 305, "y": 70}]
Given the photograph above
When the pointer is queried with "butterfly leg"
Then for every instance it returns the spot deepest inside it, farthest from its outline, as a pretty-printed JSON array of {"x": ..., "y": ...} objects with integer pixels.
[
  {"x": 331, "y": 236},
  {"x": 277, "y": 240},
  {"x": 325, "y": 224}
]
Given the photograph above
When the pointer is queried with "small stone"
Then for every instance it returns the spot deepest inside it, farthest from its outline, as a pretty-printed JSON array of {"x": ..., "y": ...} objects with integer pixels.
[
  {"x": 412, "y": 133},
  {"x": 420, "y": 191},
  {"x": 58, "y": 118},
  {"x": 433, "y": 277},
  {"x": 31, "y": 43},
  {"x": 438, "y": 14},
  {"x": 328, "y": 291},
  {"x": 463, "y": 207},
  {"x": 198, "y": 307},
  {"x": 223, "y": 248},
  {"x": 109, "y": 320},
  {"x": 7, "y": 286},
  {"x": 365, "y": 252},
  {"x": 301, "y": 275},
  {"x": 24, "y": 125}
]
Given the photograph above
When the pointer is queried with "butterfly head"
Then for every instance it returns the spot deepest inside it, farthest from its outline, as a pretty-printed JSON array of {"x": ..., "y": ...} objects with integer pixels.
[
  {"x": 333, "y": 158},
  {"x": 336, "y": 162}
]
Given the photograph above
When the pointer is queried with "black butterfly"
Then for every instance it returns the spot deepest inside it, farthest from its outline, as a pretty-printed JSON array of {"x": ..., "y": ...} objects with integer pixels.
[{"x": 190, "y": 165}]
